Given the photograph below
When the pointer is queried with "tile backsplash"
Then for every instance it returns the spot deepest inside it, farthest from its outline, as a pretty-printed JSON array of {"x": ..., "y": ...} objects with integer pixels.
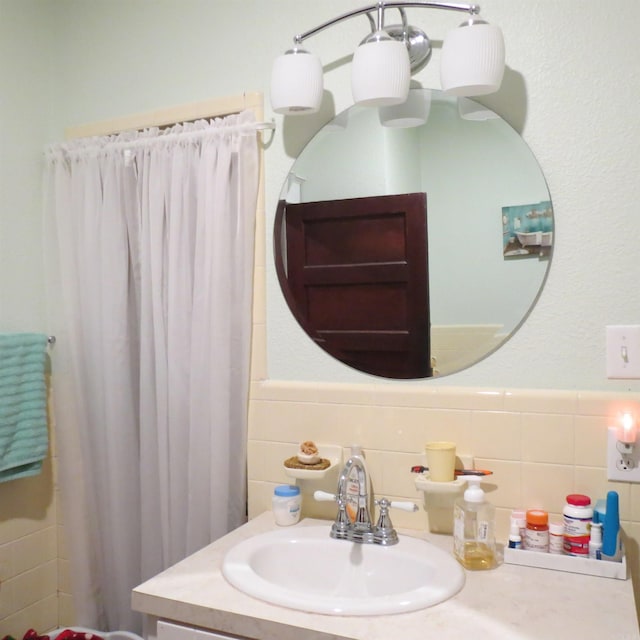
[
  {"x": 541, "y": 445},
  {"x": 29, "y": 549}
]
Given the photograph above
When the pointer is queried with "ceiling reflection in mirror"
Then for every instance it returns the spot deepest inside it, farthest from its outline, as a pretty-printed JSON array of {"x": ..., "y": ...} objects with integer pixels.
[{"x": 488, "y": 231}]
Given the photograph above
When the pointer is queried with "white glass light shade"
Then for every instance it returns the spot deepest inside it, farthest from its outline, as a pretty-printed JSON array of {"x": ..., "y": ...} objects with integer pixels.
[
  {"x": 296, "y": 83},
  {"x": 471, "y": 110},
  {"x": 472, "y": 61},
  {"x": 380, "y": 73},
  {"x": 413, "y": 112}
]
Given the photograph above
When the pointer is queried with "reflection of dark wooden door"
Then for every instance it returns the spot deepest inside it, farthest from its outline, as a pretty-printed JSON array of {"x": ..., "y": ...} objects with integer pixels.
[{"x": 357, "y": 273}]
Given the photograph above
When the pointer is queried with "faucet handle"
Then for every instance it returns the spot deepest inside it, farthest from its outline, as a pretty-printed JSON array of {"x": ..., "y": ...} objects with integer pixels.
[
  {"x": 384, "y": 532},
  {"x": 411, "y": 507},
  {"x": 324, "y": 496},
  {"x": 340, "y": 528}
]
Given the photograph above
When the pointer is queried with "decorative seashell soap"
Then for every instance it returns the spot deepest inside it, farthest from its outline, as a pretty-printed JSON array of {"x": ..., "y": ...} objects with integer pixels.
[{"x": 308, "y": 452}]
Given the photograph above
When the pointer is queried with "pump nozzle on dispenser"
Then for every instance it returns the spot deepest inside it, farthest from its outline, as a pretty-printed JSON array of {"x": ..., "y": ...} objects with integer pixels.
[{"x": 474, "y": 492}]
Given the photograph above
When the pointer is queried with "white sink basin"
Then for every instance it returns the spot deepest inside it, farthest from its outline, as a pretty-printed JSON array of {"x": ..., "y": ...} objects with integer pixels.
[{"x": 303, "y": 568}]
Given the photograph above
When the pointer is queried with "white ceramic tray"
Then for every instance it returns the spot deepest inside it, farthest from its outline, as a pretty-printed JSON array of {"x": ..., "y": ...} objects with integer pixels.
[{"x": 570, "y": 564}]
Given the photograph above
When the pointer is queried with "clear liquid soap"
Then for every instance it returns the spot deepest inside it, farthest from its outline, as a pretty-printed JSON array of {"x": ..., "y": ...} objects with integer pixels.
[{"x": 474, "y": 543}]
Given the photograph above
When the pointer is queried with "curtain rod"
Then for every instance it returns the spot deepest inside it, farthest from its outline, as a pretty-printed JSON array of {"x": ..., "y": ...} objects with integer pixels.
[{"x": 126, "y": 139}]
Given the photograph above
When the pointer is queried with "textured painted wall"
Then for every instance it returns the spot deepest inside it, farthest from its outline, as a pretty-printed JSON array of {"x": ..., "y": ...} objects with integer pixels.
[
  {"x": 571, "y": 89},
  {"x": 574, "y": 106},
  {"x": 25, "y": 74},
  {"x": 28, "y": 531}
]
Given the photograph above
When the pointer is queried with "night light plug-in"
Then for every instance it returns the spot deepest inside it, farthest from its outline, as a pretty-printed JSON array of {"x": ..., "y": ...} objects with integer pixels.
[{"x": 623, "y": 454}]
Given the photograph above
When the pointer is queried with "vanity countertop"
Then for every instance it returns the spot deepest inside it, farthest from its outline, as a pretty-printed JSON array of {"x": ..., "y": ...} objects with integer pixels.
[{"x": 511, "y": 603}]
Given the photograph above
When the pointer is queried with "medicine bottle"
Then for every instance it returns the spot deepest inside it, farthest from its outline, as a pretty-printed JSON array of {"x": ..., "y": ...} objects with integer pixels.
[
  {"x": 286, "y": 504},
  {"x": 595, "y": 541},
  {"x": 515, "y": 539},
  {"x": 519, "y": 519},
  {"x": 537, "y": 532},
  {"x": 556, "y": 538},
  {"x": 577, "y": 515}
]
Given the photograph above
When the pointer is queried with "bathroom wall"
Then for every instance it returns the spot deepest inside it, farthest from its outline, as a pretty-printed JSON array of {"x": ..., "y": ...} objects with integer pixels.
[
  {"x": 28, "y": 507},
  {"x": 29, "y": 553},
  {"x": 577, "y": 117},
  {"x": 68, "y": 62}
]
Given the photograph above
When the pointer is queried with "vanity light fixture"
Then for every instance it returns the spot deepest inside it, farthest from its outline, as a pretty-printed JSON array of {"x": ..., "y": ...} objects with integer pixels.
[{"x": 472, "y": 60}]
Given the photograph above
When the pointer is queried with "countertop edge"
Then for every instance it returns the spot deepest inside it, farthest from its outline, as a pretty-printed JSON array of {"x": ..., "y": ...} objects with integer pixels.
[
  {"x": 237, "y": 624},
  {"x": 509, "y": 602}
]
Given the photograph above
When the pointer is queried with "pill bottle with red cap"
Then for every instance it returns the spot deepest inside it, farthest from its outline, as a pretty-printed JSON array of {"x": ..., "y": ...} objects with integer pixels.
[
  {"x": 577, "y": 516},
  {"x": 537, "y": 532}
]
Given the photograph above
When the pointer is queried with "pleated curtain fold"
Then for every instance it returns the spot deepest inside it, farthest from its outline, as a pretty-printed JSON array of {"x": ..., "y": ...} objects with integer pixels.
[{"x": 150, "y": 244}]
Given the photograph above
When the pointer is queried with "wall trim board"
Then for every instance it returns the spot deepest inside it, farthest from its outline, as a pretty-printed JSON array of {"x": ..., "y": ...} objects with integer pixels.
[
  {"x": 214, "y": 108},
  {"x": 545, "y": 401}
]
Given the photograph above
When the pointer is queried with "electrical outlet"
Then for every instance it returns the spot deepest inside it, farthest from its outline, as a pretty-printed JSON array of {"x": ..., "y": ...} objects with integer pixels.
[{"x": 622, "y": 464}]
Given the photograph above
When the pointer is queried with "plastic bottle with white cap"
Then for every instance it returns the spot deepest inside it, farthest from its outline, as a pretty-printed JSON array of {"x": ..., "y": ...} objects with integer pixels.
[
  {"x": 286, "y": 504},
  {"x": 474, "y": 543},
  {"x": 595, "y": 541}
]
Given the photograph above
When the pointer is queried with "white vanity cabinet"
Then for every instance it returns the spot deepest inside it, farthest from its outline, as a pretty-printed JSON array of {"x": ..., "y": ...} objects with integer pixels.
[
  {"x": 193, "y": 601},
  {"x": 172, "y": 631}
]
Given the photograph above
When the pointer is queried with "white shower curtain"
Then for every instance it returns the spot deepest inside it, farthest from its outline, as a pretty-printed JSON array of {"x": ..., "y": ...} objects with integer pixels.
[{"x": 150, "y": 265}]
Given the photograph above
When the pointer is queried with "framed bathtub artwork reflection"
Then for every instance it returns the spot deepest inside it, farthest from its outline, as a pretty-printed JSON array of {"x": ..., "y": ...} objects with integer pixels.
[{"x": 527, "y": 230}]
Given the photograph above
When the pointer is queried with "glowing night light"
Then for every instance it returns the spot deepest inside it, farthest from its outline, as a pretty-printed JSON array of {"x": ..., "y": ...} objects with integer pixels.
[{"x": 629, "y": 429}]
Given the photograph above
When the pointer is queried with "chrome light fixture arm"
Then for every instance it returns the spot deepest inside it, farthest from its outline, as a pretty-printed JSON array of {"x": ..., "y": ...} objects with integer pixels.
[
  {"x": 379, "y": 7},
  {"x": 471, "y": 62}
]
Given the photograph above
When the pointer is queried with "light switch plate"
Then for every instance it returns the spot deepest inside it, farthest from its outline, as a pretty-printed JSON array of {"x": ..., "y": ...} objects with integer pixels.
[
  {"x": 623, "y": 351},
  {"x": 622, "y": 466}
]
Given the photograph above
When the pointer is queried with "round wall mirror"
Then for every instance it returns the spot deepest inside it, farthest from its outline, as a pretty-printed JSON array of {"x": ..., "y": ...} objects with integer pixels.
[{"x": 411, "y": 244}]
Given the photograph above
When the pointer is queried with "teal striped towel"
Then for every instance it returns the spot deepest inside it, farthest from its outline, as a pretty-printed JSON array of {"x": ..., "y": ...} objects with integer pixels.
[{"x": 24, "y": 439}]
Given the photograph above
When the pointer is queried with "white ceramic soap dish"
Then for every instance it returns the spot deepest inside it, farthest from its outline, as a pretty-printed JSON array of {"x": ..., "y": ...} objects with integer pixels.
[{"x": 330, "y": 452}]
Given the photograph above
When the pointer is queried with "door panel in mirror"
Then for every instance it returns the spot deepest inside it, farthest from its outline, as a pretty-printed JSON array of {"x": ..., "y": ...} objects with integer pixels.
[{"x": 357, "y": 280}]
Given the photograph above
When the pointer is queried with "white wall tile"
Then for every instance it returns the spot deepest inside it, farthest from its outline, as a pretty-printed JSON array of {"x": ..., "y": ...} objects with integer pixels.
[
  {"x": 590, "y": 438},
  {"x": 548, "y": 438},
  {"x": 496, "y": 434}
]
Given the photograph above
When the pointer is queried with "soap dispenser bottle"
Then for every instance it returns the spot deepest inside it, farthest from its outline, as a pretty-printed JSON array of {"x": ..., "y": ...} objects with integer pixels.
[
  {"x": 474, "y": 544},
  {"x": 359, "y": 495}
]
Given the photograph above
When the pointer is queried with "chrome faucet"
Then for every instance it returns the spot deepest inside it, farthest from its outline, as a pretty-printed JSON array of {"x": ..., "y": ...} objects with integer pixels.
[
  {"x": 353, "y": 521},
  {"x": 354, "y": 518}
]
